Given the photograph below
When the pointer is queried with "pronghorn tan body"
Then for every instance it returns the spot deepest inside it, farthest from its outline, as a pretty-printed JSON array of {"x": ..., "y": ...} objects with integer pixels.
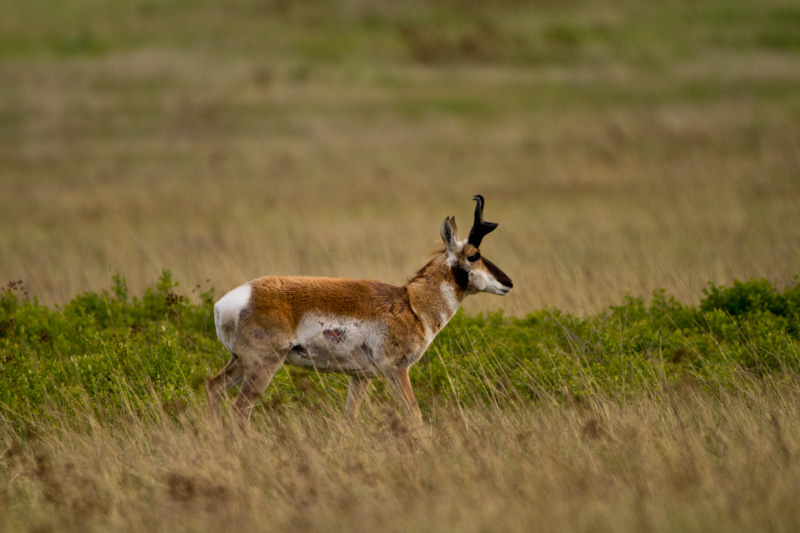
[{"x": 365, "y": 328}]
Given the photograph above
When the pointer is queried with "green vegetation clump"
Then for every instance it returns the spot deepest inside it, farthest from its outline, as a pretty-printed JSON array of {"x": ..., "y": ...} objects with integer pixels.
[
  {"x": 108, "y": 354},
  {"x": 103, "y": 352}
]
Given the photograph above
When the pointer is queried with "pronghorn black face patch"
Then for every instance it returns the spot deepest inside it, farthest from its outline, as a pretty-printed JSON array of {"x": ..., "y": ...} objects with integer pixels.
[{"x": 461, "y": 275}]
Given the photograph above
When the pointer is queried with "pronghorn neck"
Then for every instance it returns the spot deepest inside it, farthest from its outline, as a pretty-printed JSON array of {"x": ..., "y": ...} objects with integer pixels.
[{"x": 434, "y": 294}]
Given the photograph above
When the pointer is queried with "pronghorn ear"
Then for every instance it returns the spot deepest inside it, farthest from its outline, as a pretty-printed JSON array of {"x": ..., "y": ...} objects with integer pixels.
[
  {"x": 449, "y": 233},
  {"x": 455, "y": 228}
]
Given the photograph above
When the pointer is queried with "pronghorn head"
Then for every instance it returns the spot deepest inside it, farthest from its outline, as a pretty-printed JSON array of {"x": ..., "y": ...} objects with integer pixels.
[{"x": 472, "y": 272}]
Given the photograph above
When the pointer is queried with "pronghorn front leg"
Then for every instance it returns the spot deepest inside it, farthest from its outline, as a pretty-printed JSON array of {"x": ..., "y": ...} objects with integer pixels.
[
  {"x": 355, "y": 395},
  {"x": 401, "y": 387}
]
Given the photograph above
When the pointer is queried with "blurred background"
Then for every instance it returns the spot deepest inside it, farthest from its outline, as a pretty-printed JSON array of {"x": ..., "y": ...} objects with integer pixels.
[{"x": 623, "y": 146}]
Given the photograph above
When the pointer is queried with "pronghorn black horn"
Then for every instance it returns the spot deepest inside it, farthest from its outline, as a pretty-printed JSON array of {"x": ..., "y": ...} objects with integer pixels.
[{"x": 479, "y": 228}]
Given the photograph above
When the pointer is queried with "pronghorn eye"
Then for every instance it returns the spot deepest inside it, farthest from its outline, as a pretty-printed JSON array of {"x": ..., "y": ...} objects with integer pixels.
[{"x": 473, "y": 258}]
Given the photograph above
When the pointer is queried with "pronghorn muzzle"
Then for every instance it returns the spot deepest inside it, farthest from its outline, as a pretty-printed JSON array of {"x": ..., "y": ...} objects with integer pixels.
[{"x": 499, "y": 275}]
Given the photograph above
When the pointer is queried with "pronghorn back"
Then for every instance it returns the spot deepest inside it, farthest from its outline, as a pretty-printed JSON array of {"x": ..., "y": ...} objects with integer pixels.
[{"x": 293, "y": 297}]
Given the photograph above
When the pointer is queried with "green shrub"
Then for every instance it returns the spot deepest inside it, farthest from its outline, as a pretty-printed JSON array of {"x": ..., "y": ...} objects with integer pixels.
[{"x": 107, "y": 353}]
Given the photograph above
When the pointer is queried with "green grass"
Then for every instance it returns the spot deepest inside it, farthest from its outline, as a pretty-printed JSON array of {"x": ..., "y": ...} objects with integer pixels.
[{"x": 517, "y": 33}]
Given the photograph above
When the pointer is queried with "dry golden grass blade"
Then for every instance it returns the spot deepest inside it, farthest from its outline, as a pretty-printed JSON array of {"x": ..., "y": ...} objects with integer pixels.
[{"x": 675, "y": 461}]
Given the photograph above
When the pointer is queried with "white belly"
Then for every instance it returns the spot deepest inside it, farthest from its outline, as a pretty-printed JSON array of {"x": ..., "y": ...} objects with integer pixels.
[{"x": 339, "y": 344}]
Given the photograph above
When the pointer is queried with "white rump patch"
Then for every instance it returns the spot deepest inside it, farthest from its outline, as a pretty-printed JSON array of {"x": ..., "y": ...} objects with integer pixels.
[{"x": 227, "y": 311}]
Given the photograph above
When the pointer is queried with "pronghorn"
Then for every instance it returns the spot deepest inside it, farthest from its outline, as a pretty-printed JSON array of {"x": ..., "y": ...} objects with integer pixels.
[{"x": 365, "y": 328}]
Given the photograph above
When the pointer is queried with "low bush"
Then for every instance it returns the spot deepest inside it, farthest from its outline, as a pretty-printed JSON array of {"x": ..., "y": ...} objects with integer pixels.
[{"x": 108, "y": 353}]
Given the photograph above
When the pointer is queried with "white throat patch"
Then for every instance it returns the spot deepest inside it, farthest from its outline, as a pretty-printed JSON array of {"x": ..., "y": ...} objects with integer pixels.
[{"x": 450, "y": 298}]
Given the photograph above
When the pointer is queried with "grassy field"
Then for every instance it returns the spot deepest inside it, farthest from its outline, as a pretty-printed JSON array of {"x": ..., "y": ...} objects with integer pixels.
[
  {"x": 624, "y": 147},
  {"x": 657, "y": 417}
]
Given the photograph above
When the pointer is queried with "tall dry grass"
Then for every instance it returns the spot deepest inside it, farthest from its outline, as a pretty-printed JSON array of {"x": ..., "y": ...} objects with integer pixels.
[
  {"x": 676, "y": 460},
  {"x": 636, "y": 148}
]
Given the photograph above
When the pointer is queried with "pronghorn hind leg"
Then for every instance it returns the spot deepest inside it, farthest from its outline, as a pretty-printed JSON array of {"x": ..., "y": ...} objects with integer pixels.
[
  {"x": 257, "y": 376},
  {"x": 356, "y": 393},
  {"x": 401, "y": 387},
  {"x": 216, "y": 386}
]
